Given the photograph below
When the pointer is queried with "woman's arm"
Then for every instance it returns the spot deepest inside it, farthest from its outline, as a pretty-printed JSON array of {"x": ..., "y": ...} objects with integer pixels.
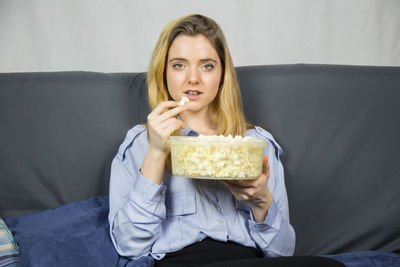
[
  {"x": 137, "y": 195},
  {"x": 255, "y": 192},
  {"x": 161, "y": 124},
  {"x": 269, "y": 224},
  {"x": 275, "y": 236}
]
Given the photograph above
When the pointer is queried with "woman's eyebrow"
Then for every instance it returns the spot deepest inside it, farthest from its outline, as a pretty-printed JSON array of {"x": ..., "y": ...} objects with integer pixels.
[
  {"x": 184, "y": 59},
  {"x": 177, "y": 59},
  {"x": 208, "y": 59}
]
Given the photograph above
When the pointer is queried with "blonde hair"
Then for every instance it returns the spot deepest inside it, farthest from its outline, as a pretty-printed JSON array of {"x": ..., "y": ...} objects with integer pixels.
[{"x": 226, "y": 110}]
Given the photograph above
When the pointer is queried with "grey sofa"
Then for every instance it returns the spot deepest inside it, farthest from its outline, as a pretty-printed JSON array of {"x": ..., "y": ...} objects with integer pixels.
[{"x": 339, "y": 127}]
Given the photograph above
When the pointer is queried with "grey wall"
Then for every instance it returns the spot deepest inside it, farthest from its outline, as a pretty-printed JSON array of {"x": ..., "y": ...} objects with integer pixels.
[{"x": 119, "y": 35}]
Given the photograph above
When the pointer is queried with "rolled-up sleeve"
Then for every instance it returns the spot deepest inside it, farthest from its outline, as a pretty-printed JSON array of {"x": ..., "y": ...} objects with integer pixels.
[{"x": 275, "y": 236}]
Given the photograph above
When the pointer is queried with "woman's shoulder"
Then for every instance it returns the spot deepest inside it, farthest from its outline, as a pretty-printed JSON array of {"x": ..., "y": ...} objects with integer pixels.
[
  {"x": 260, "y": 132},
  {"x": 136, "y": 130},
  {"x": 137, "y": 134}
]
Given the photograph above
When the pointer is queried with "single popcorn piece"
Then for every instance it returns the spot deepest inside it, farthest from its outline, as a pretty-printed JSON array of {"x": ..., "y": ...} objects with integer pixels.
[
  {"x": 183, "y": 101},
  {"x": 217, "y": 157}
]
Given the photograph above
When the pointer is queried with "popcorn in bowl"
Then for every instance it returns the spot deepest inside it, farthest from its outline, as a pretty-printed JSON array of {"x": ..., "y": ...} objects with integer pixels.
[{"x": 217, "y": 157}]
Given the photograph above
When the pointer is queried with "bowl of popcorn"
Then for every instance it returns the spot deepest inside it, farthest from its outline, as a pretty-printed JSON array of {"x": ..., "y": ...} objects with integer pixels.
[{"x": 217, "y": 157}]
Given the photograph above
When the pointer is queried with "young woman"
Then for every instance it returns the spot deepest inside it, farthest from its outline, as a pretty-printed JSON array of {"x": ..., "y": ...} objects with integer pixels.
[{"x": 182, "y": 221}]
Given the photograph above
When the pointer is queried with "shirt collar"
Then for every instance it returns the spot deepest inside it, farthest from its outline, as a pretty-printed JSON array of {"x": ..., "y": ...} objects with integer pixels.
[{"x": 187, "y": 131}]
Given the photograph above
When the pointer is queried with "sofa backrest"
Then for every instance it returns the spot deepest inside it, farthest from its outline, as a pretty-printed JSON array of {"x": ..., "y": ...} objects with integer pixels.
[
  {"x": 59, "y": 133},
  {"x": 338, "y": 126}
]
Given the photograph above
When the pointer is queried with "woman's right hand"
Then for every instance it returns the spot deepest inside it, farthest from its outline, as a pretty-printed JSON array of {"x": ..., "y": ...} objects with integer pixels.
[{"x": 161, "y": 123}]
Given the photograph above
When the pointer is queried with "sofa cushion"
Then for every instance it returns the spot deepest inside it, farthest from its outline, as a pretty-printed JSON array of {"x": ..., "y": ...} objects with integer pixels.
[
  {"x": 368, "y": 259},
  {"x": 76, "y": 234}
]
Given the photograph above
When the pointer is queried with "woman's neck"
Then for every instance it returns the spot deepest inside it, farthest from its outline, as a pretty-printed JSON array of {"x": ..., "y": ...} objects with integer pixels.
[{"x": 199, "y": 122}]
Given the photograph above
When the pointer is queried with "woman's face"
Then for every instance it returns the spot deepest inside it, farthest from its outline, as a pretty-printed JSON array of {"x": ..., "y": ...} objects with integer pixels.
[{"x": 193, "y": 70}]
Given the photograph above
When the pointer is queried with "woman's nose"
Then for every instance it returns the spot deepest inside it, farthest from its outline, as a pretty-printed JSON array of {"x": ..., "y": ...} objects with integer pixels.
[{"x": 193, "y": 76}]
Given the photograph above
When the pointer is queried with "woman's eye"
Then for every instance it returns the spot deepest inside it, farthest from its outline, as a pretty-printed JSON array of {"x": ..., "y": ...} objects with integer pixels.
[
  {"x": 208, "y": 66},
  {"x": 178, "y": 66}
]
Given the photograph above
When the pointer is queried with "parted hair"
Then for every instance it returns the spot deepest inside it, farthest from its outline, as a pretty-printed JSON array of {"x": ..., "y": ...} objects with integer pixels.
[{"x": 226, "y": 110}]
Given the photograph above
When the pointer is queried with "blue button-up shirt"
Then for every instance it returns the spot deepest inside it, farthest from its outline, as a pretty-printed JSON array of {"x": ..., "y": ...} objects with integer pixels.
[{"x": 150, "y": 219}]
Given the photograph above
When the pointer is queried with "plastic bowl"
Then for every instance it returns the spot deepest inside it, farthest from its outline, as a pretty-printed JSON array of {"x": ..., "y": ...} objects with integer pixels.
[{"x": 217, "y": 157}]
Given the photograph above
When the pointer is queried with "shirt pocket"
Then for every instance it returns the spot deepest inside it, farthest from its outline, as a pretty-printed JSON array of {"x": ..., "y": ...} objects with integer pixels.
[{"x": 179, "y": 204}]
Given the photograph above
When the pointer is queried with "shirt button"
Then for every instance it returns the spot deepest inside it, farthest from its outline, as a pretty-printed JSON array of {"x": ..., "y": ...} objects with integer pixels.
[
  {"x": 221, "y": 221},
  {"x": 171, "y": 209}
]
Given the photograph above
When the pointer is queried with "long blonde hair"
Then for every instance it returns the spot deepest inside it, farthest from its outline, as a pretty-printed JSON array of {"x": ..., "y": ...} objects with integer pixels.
[{"x": 226, "y": 110}]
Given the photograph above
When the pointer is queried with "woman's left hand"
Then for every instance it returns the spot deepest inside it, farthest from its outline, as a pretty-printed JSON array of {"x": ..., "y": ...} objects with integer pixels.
[{"x": 255, "y": 192}]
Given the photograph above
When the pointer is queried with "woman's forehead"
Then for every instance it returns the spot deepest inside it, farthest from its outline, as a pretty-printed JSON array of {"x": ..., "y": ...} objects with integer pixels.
[{"x": 190, "y": 47}]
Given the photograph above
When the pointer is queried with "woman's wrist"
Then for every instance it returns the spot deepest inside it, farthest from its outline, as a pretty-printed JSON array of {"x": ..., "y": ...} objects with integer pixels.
[
  {"x": 260, "y": 211},
  {"x": 157, "y": 154},
  {"x": 154, "y": 164}
]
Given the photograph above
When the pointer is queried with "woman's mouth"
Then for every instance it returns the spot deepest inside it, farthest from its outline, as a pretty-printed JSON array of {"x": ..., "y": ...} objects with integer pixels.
[{"x": 192, "y": 94}]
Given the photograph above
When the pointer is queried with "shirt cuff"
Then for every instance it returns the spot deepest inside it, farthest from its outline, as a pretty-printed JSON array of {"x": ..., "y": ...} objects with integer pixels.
[
  {"x": 268, "y": 222},
  {"x": 150, "y": 191}
]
